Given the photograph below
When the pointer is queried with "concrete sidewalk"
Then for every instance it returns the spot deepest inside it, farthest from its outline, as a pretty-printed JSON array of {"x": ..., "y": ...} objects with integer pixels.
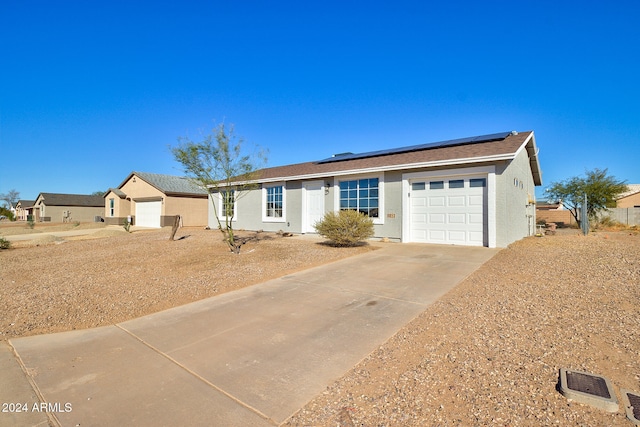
[{"x": 249, "y": 357}]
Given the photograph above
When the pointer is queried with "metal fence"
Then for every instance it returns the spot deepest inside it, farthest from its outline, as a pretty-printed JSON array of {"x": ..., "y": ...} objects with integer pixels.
[{"x": 584, "y": 217}]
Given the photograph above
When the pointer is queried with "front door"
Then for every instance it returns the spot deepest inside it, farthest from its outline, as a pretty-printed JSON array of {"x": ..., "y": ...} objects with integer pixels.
[{"x": 312, "y": 205}]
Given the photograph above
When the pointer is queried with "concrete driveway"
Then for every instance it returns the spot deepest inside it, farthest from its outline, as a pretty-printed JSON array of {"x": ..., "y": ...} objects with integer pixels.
[{"x": 249, "y": 357}]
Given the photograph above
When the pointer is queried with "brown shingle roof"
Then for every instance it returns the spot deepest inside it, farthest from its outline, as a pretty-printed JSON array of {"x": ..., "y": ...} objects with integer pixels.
[
  {"x": 465, "y": 153},
  {"x": 25, "y": 203}
]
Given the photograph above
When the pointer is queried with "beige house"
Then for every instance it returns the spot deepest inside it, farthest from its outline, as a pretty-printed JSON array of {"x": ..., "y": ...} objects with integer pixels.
[
  {"x": 630, "y": 199},
  {"x": 153, "y": 200},
  {"x": 554, "y": 212},
  {"x": 24, "y": 208},
  {"x": 56, "y": 207}
]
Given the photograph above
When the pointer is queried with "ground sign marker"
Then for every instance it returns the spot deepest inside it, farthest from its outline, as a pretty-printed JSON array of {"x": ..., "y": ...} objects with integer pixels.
[
  {"x": 587, "y": 388},
  {"x": 631, "y": 402}
]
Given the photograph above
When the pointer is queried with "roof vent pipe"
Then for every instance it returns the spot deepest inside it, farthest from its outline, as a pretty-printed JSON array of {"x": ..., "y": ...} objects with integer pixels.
[{"x": 514, "y": 132}]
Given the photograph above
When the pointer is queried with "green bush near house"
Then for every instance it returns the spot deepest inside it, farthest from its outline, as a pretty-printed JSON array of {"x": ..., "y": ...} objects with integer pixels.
[
  {"x": 4, "y": 212},
  {"x": 345, "y": 228}
]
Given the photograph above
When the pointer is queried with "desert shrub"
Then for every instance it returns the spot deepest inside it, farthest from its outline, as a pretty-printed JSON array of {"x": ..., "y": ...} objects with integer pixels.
[
  {"x": 31, "y": 223},
  {"x": 127, "y": 225},
  {"x": 345, "y": 228},
  {"x": 4, "y": 243},
  {"x": 607, "y": 223}
]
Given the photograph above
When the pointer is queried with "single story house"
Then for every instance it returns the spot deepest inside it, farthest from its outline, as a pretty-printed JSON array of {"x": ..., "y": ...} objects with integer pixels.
[
  {"x": 554, "y": 212},
  {"x": 24, "y": 208},
  {"x": 631, "y": 198},
  {"x": 476, "y": 191},
  {"x": 56, "y": 207},
  {"x": 153, "y": 200},
  {"x": 549, "y": 206}
]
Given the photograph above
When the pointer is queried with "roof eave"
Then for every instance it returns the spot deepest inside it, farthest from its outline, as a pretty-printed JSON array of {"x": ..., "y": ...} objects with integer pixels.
[
  {"x": 177, "y": 194},
  {"x": 534, "y": 162},
  {"x": 439, "y": 163}
]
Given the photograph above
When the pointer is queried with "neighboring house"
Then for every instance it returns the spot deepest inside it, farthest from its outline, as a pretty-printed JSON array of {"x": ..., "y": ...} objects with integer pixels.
[
  {"x": 55, "y": 207},
  {"x": 631, "y": 198},
  {"x": 548, "y": 206},
  {"x": 476, "y": 191},
  {"x": 153, "y": 200},
  {"x": 24, "y": 208},
  {"x": 554, "y": 212}
]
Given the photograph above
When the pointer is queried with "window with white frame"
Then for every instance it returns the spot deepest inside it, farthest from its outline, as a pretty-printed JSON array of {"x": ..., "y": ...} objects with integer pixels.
[
  {"x": 274, "y": 203},
  {"x": 361, "y": 195},
  {"x": 227, "y": 203}
]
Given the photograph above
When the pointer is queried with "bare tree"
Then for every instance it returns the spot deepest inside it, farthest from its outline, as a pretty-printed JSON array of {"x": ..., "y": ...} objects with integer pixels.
[
  {"x": 11, "y": 197},
  {"x": 220, "y": 164}
]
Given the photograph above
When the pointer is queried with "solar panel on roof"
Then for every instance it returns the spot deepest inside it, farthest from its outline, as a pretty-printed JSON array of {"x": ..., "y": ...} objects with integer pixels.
[{"x": 449, "y": 143}]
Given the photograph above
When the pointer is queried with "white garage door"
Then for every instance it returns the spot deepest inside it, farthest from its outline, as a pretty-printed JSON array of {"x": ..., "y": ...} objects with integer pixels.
[
  {"x": 148, "y": 214},
  {"x": 450, "y": 211}
]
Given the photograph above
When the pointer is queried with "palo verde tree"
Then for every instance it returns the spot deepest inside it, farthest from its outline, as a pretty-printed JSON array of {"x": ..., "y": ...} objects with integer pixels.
[
  {"x": 601, "y": 189},
  {"x": 221, "y": 164}
]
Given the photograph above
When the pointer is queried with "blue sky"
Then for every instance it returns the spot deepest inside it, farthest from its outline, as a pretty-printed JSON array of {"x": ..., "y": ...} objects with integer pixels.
[{"x": 90, "y": 91}]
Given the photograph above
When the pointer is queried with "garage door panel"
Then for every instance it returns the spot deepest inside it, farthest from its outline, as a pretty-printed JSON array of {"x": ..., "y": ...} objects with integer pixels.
[
  {"x": 457, "y": 237},
  {"x": 421, "y": 234},
  {"x": 419, "y": 219},
  {"x": 457, "y": 201},
  {"x": 476, "y": 200},
  {"x": 476, "y": 219},
  {"x": 436, "y": 201},
  {"x": 436, "y": 235},
  {"x": 418, "y": 202},
  {"x": 437, "y": 219},
  {"x": 457, "y": 218},
  {"x": 476, "y": 238}
]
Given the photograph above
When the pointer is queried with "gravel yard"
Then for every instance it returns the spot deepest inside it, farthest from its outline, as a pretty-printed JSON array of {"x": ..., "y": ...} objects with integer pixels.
[
  {"x": 488, "y": 352},
  {"x": 51, "y": 284}
]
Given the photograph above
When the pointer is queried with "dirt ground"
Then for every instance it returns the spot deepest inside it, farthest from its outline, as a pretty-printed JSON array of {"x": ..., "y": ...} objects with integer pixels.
[
  {"x": 11, "y": 228},
  {"x": 51, "y": 284}
]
